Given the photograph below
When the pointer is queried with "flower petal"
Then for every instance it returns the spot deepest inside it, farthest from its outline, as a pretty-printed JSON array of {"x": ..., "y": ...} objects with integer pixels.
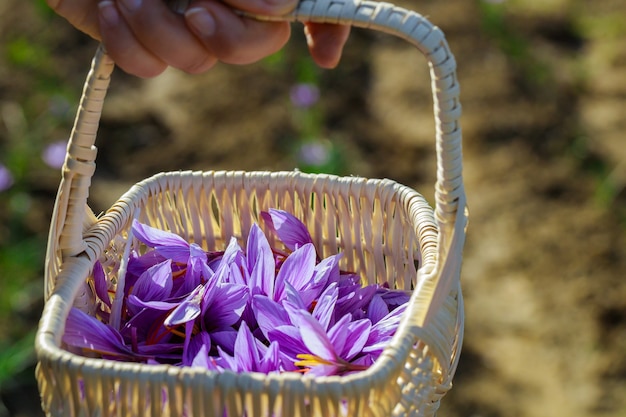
[
  {"x": 290, "y": 341},
  {"x": 167, "y": 244},
  {"x": 155, "y": 283},
  {"x": 270, "y": 362},
  {"x": 291, "y": 231},
  {"x": 187, "y": 310},
  {"x": 100, "y": 284},
  {"x": 324, "y": 310},
  {"x": 297, "y": 269},
  {"x": 394, "y": 298},
  {"x": 269, "y": 314},
  {"x": 226, "y": 306},
  {"x": 197, "y": 271},
  {"x": 246, "y": 352},
  {"x": 354, "y": 299},
  {"x": 225, "y": 339},
  {"x": 86, "y": 332},
  {"x": 260, "y": 263},
  {"x": 203, "y": 360},
  {"x": 326, "y": 272},
  {"x": 382, "y": 331},
  {"x": 314, "y": 336},
  {"x": 339, "y": 334},
  {"x": 197, "y": 343},
  {"x": 153, "y": 305},
  {"x": 377, "y": 309},
  {"x": 227, "y": 361},
  {"x": 358, "y": 334},
  {"x": 163, "y": 351}
]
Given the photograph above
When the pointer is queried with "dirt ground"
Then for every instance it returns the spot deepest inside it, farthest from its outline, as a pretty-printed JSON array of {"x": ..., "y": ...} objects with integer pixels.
[{"x": 544, "y": 101}]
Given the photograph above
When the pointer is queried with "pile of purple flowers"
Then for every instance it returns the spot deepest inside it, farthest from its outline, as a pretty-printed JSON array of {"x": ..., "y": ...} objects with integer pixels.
[{"x": 257, "y": 309}]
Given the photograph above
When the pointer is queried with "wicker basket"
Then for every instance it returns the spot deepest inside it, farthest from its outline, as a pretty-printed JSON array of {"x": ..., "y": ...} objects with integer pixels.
[{"x": 386, "y": 231}]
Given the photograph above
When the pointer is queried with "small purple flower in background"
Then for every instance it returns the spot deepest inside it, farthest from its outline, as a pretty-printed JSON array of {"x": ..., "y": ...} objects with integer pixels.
[
  {"x": 6, "y": 179},
  {"x": 54, "y": 154},
  {"x": 316, "y": 153},
  {"x": 261, "y": 309},
  {"x": 304, "y": 95}
]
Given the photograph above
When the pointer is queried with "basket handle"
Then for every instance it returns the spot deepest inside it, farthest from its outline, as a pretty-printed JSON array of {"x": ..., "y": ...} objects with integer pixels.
[{"x": 72, "y": 217}]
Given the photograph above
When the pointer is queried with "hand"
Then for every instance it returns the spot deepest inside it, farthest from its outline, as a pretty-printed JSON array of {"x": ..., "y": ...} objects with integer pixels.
[{"x": 144, "y": 37}]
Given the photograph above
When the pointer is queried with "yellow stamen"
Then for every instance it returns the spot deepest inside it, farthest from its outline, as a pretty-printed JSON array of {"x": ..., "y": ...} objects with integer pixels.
[{"x": 311, "y": 360}]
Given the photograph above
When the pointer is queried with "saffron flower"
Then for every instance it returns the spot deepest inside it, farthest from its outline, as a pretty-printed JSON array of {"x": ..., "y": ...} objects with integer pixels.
[
  {"x": 253, "y": 309},
  {"x": 315, "y": 153},
  {"x": 6, "y": 179},
  {"x": 304, "y": 95},
  {"x": 54, "y": 154}
]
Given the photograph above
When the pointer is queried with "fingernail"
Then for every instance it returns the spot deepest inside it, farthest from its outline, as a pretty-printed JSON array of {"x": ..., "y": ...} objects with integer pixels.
[
  {"x": 310, "y": 41},
  {"x": 281, "y": 6},
  {"x": 201, "y": 20},
  {"x": 132, "y": 5},
  {"x": 109, "y": 13}
]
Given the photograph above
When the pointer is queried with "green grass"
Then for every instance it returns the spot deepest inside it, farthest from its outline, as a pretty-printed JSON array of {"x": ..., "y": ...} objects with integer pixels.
[{"x": 514, "y": 45}]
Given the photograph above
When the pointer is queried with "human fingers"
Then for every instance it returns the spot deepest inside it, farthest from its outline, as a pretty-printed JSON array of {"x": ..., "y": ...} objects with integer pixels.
[
  {"x": 263, "y": 7},
  {"x": 165, "y": 34},
  {"x": 326, "y": 42},
  {"x": 232, "y": 38},
  {"x": 122, "y": 45},
  {"x": 82, "y": 14}
]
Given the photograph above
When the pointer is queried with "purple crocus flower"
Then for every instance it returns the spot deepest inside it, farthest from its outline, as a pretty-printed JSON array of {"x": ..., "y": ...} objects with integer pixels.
[
  {"x": 313, "y": 341},
  {"x": 331, "y": 352},
  {"x": 315, "y": 153},
  {"x": 250, "y": 354},
  {"x": 226, "y": 294},
  {"x": 304, "y": 95},
  {"x": 54, "y": 154},
  {"x": 223, "y": 306},
  {"x": 174, "y": 247},
  {"x": 6, "y": 179},
  {"x": 89, "y": 334},
  {"x": 383, "y": 330},
  {"x": 155, "y": 284}
]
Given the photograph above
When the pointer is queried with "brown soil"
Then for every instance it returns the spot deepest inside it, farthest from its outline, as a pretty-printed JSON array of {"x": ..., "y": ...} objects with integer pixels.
[{"x": 544, "y": 170}]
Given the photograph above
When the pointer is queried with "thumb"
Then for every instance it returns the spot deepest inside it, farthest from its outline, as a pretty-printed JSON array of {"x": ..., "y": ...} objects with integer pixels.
[
  {"x": 263, "y": 7},
  {"x": 326, "y": 42}
]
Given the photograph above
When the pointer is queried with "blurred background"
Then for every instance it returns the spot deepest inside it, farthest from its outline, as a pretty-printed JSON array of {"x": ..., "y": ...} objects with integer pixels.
[{"x": 544, "y": 99}]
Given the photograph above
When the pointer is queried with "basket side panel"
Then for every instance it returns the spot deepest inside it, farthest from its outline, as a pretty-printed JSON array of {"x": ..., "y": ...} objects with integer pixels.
[{"x": 384, "y": 231}]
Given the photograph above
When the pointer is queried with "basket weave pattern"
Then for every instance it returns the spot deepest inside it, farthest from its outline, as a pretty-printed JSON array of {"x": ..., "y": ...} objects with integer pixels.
[{"x": 386, "y": 231}]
